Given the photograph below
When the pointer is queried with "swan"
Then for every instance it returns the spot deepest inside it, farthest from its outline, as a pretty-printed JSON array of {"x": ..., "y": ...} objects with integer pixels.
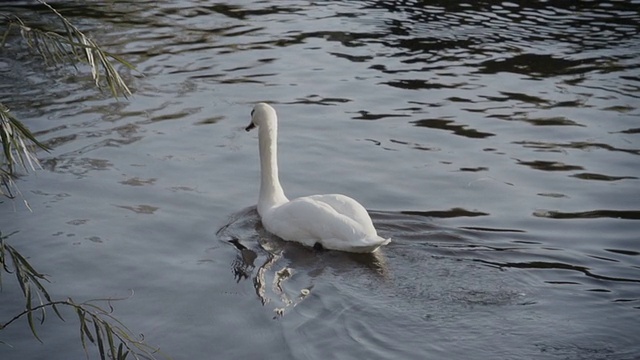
[{"x": 332, "y": 221}]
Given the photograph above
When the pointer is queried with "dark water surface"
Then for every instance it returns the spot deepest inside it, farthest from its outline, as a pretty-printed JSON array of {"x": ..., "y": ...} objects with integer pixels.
[{"x": 496, "y": 143}]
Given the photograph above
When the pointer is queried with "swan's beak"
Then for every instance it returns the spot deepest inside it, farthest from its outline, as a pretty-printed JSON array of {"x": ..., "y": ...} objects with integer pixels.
[{"x": 251, "y": 126}]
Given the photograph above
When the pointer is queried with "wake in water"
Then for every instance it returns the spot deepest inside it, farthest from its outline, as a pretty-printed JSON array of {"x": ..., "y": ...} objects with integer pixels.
[
  {"x": 416, "y": 260},
  {"x": 432, "y": 282},
  {"x": 271, "y": 262}
]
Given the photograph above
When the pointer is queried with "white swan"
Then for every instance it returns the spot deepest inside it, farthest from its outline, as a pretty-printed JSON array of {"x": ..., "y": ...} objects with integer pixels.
[{"x": 332, "y": 221}]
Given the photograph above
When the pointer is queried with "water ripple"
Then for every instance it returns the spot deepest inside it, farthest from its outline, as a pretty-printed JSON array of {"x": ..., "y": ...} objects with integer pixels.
[{"x": 539, "y": 97}]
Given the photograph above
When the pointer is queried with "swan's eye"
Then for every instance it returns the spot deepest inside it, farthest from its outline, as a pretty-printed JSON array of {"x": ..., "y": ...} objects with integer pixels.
[{"x": 252, "y": 111}]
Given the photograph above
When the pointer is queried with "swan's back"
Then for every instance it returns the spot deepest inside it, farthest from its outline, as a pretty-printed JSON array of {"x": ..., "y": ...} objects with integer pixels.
[{"x": 334, "y": 221}]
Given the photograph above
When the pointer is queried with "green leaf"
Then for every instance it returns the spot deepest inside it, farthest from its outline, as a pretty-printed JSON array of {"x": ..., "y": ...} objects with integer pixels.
[
  {"x": 83, "y": 329},
  {"x": 109, "y": 332},
  {"x": 22, "y": 280},
  {"x": 25, "y": 131},
  {"x": 24, "y": 263},
  {"x": 30, "y": 314},
  {"x": 4, "y": 36},
  {"x": 55, "y": 310},
  {"x": 86, "y": 329},
  {"x": 120, "y": 355},
  {"x": 2, "y": 259},
  {"x": 99, "y": 337}
]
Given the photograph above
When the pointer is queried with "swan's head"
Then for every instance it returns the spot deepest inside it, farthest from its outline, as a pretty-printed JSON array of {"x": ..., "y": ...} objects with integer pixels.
[{"x": 261, "y": 115}]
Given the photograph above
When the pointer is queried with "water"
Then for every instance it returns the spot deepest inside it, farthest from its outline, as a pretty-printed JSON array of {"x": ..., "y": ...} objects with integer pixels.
[{"x": 495, "y": 143}]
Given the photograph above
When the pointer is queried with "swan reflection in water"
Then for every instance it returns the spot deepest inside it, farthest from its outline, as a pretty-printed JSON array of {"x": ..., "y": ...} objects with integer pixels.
[{"x": 271, "y": 263}]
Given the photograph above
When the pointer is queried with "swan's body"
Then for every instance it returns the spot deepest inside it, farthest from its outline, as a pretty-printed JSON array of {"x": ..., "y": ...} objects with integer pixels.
[{"x": 333, "y": 221}]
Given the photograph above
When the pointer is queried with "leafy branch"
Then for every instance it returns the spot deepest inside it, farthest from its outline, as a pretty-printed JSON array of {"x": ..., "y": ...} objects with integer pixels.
[
  {"x": 15, "y": 139},
  {"x": 97, "y": 325},
  {"x": 70, "y": 46},
  {"x": 27, "y": 277}
]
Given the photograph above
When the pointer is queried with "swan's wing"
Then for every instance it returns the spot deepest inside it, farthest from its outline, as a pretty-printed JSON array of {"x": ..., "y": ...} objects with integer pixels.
[
  {"x": 352, "y": 209},
  {"x": 349, "y": 208},
  {"x": 308, "y": 220}
]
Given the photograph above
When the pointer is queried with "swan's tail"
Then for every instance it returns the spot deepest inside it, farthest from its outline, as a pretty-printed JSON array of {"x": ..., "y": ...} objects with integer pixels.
[{"x": 370, "y": 245}]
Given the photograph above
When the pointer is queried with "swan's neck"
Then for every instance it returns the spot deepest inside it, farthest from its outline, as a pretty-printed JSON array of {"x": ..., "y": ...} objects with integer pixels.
[{"x": 271, "y": 193}]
